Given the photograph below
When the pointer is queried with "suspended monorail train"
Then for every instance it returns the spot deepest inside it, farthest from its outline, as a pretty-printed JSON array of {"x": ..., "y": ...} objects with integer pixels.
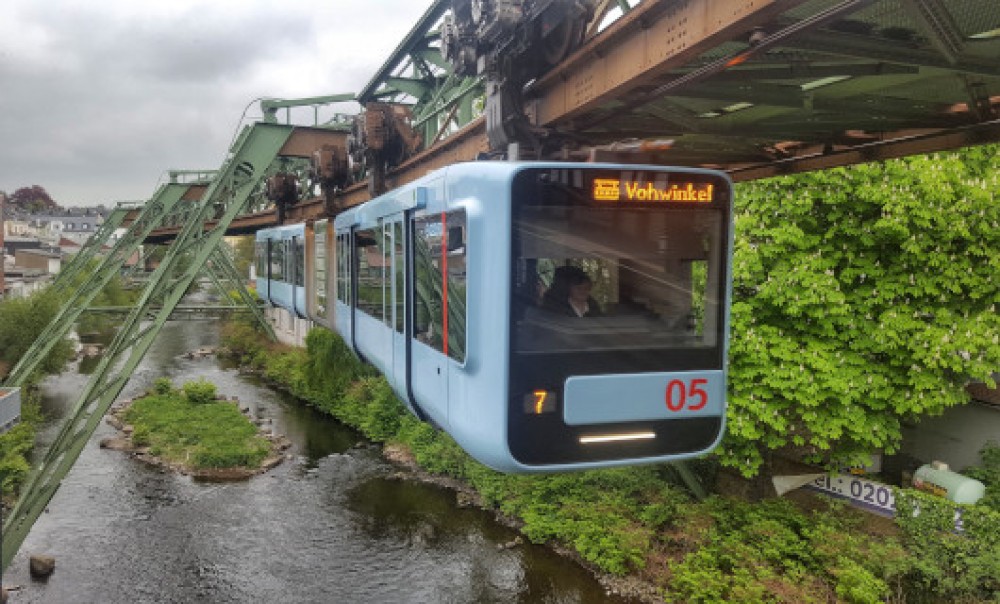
[{"x": 548, "y": 316}]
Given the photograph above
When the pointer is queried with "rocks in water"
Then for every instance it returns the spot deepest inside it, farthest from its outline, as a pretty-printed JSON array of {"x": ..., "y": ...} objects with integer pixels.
[
  {"x": 41, "y": 566},
  {"x": 116, "y": 444},
  {"x": 90, "y": 350},
  {"x": 200, "y": 353},
  {"x": 516, "y": 541}
]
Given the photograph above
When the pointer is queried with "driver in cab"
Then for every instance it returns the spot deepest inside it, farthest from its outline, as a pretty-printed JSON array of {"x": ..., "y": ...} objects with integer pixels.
[{"x": 570, "y": 294}]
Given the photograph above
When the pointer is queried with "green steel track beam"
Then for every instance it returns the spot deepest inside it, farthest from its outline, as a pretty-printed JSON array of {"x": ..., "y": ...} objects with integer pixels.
[
  {"x": 418, "y": 76},
  {"x": 151, "y": 215},
  {"x": 414, "y": 40},
  {"x": 252, "y": 154}
]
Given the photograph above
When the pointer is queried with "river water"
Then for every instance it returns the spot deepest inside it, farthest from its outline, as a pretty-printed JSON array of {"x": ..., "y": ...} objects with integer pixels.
[{"x": 328, "y": 525}]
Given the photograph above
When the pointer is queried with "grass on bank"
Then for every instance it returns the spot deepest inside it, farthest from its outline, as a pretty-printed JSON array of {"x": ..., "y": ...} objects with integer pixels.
[
  {"x": 638, "y": 521},
  {"x": 189, "y": 426}
]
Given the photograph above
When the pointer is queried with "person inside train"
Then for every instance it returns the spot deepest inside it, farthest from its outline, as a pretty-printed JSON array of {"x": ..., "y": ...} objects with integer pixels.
[{"x": 569, "y": 293}]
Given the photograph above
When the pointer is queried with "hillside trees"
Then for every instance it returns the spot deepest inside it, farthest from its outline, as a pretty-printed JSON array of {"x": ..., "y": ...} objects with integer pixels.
[{"x": 862, "y": 296}]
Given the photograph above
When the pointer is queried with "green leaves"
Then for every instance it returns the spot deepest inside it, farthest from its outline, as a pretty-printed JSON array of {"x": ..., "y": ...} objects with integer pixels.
[{"x": 863, "y": 295}]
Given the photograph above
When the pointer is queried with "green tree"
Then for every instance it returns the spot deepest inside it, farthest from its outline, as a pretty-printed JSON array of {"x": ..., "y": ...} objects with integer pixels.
[
  {"x": 33, "y": 199},
  {"x": 862, "y": 296},
  {"x": 21, "y": 320},
  {"x": 243, "y": 255}
]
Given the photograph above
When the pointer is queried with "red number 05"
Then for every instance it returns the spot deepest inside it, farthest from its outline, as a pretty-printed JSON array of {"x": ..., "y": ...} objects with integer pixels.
[{"x": 678, "y": 393}]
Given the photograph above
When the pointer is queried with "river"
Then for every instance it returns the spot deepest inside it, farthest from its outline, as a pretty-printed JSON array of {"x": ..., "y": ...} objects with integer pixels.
[{"x": 330, "y": 524}]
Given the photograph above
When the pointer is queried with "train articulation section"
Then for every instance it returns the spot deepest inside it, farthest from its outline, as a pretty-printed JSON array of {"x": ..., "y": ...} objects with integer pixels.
[{"x": 548, "y": 316}]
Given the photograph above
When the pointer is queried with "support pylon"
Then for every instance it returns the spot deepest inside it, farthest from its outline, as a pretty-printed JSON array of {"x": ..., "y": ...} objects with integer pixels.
[
  {"x": 77, "y": 301},
  {"x": 91, "y": 248},
  {"x": 249, "y": 161}
]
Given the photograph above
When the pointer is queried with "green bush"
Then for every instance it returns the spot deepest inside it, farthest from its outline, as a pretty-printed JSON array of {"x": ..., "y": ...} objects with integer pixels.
[
  {"x": 988, "y": 472},
  {"x": 17, "y": 443},
  {"x": 163, "y": 385},
  {"x": 773, "y": 552},
  {"x": 199, "y": 391},
  {"x": 13, "y": 470},
  {"x": 951, "y": 566}
]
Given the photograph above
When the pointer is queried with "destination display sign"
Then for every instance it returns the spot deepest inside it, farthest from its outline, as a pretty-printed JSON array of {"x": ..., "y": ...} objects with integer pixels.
[{"x": 623, "y": 190}]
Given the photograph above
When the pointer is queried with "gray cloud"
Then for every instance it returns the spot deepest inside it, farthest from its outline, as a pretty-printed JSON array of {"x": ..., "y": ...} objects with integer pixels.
[{"x": 98, "y": 99}]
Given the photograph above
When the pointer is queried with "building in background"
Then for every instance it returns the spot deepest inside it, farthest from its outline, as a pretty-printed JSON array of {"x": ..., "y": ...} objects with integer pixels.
[{"x": 47, "y": 261}]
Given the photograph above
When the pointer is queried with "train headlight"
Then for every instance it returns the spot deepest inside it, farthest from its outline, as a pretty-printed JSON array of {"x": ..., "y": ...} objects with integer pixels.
[{"x": 616, "y": 438}]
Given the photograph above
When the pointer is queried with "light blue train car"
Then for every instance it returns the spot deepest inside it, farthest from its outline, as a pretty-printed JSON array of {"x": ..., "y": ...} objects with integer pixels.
[
  {"x": 548, "y": 316},
  {"x": 280, "y": 262}
]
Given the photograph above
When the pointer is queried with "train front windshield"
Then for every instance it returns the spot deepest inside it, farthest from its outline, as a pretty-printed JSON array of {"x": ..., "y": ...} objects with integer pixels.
[
  {"x": 614, "y": 272},
  {"x": 619, "y": 275}
]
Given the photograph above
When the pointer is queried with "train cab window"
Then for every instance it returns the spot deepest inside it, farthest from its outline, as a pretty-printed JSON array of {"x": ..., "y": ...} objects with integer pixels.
[
  {"x": 655, "y": 271},
  {"x": 368, "y": 266},
  {"x": 440, "y": 282}
]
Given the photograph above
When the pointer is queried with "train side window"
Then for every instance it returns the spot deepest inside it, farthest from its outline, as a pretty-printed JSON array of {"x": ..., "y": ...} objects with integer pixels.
[
  {"x": 260, "y": 255},
  {"x": 398, "y": 272},
  {"x": 277, "y": 260},
  {"x": 299, "y": 260},
  {"x": 440, "y": 282},
  {"x": 343, "y": 268},
  {"x": 368, "y": 264},
  {"x": 385, "y": 246},
  {"x": 320, "y": 268}
]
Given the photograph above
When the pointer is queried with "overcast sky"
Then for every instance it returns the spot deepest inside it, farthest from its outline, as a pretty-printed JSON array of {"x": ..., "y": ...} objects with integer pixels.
[{"x": 98, "y": 98}]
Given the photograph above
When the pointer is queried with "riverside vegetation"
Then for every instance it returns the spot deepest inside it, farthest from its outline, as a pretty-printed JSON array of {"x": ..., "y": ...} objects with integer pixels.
[
  {"x": 640, "y": 525},
  {"x": 21, "y": 322},
  {"x": 190, "y": 429}
]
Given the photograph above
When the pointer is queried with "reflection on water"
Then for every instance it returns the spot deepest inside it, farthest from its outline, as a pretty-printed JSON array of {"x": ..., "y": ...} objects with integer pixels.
[{"x": 328, "y": 525}]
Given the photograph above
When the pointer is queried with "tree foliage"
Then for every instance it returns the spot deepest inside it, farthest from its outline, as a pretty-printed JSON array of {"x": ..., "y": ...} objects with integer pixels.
[
  {"x": 33, "y": 199},
  {"x": 862, "y": 296},
  {"x": 21, "y": 320},
  {"x": 243, "y": 251}
]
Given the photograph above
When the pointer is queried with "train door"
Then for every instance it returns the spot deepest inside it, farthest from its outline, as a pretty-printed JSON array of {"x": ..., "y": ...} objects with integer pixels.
[
  {"x": 428, "y": 359},
  {"x": 396, "y": 300}
]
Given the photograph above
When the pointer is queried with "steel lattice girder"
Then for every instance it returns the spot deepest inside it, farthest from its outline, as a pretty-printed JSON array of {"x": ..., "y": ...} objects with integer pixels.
[
  {"x": 150, "y": 216},
  {"x": 252, "y": 154},
  {"x": 81, "y": 260}
]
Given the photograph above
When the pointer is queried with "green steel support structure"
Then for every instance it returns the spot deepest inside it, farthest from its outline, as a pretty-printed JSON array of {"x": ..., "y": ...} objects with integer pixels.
[
  {"x": 248, "y": 163},
  {"x": 222, "y": 271},
  {"x": 152, "y": 213},
  {"x": 82, "y": 259}
]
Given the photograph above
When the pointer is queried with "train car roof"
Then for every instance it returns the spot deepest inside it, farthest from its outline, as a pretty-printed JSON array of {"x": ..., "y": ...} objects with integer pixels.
[{"x": 416, "y": 194}]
